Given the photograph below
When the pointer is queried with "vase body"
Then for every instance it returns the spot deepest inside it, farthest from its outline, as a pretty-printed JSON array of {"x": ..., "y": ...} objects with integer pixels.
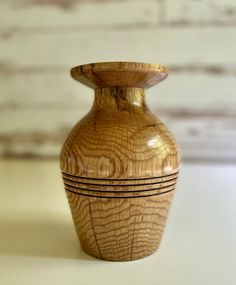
[{"x": 119, "y": 164}]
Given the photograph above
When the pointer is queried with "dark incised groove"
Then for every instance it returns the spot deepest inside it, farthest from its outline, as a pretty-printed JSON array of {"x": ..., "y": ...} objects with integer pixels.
[
  {"x": 119, "y": 179},
  {"x": 120, "y": 185},
  {"x": 119, "y": 197},
  {"x": 114, "y": 192}
]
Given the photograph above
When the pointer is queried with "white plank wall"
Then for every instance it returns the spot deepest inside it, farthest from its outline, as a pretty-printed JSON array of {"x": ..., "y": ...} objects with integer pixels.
[
  {"x": 67, "y": 14},
  {"x": 200, "y": 12},
  {"x": 41, "y": 39}
]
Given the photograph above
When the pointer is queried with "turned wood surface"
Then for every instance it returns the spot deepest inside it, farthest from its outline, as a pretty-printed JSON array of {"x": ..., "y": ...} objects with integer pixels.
[
  {"x": 119, "y": 164},
  {"x": 120, "y": 229},
  {"x": 125, "y": 74}
]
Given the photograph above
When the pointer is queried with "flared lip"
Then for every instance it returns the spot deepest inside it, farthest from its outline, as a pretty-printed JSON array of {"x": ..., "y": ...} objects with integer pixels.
[
  {"x": 120, "y": 66},
  {"x": 119, "y": 73}
]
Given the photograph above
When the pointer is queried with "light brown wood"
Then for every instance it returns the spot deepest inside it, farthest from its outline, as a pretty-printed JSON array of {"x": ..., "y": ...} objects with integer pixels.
[
  {"x": 119, "y": 164},
  {"x": 121, "y": 74}
]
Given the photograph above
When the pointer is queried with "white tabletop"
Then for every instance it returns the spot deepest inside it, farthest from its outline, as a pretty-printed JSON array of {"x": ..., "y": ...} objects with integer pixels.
[{"x": 38, "y": 244}]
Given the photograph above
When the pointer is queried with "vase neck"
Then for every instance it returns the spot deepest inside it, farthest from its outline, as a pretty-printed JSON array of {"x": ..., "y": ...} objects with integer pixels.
[{"x": 119, "y": 98}]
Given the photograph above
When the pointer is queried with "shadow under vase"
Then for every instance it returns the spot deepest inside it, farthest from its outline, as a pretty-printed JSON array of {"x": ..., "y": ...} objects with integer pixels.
[{"x": 40, "y": 237}]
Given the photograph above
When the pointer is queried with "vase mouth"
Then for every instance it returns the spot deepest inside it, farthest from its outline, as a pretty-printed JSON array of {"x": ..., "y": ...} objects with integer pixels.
[{"x": 119, "y": 74}]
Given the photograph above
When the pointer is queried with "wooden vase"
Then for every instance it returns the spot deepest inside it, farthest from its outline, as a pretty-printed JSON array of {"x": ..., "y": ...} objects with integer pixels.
[{"x": 119, "y": 163}]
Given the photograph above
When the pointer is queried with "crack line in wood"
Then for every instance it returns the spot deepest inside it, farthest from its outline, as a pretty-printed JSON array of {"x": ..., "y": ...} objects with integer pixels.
[{"x": 95, "y": 237}]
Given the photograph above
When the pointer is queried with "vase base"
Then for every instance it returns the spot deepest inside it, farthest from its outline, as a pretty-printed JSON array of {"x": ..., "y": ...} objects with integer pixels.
[{"x": 119, "y": 258}]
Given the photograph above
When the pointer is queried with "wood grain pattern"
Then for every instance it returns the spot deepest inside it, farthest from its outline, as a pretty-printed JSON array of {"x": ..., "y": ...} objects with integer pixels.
[
  {"x": 124, "y": 74},
  {"x": 120, "y": 229},
  {"x": 119, "y": 164}
]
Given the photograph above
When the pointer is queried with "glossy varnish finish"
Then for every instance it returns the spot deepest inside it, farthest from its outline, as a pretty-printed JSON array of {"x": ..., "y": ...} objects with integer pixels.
[{"x": 119, "y": 164}]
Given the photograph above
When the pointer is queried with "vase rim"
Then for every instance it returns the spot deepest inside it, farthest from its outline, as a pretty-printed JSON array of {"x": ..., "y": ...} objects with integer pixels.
[
  {"x": 122, "y": 65},
  {"x": 119, "y": 73}
]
